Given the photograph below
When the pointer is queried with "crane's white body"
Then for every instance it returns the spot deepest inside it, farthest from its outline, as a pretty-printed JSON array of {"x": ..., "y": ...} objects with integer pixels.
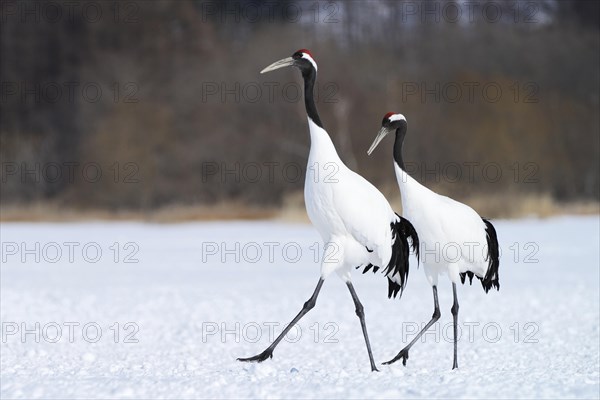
[
  {"x": 353, "y": 218},
  {"x": 453, "y": 239},
  {"x": 452, "y": 235},
  {"x": 349, "y": 213}
]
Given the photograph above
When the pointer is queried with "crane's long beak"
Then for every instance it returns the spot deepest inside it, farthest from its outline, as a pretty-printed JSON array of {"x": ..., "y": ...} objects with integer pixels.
[
  {"x": 380, "y": 135},
  {"x": 286, "y": 62}
]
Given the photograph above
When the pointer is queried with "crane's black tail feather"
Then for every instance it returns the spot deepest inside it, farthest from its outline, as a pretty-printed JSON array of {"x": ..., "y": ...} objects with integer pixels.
[
  {"x": 368, "y": 267},
  {"x": 490, "y": 279},
  {"x": 402, "y": 230}
]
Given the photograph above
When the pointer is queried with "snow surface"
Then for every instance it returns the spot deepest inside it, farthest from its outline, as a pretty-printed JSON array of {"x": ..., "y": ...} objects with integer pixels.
[{"x": 536, "y": 338}]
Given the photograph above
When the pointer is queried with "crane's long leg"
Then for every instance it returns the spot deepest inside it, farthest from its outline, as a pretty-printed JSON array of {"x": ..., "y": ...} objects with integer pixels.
[
  {"x": 308, "y": 305},
  {"x": 361, "y": 315},
  {"x": 436, "y": 315},
  {"x": 454, "y": 310}
]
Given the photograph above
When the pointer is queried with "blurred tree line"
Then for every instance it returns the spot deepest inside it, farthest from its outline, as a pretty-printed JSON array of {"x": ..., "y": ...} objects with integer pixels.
[{"x": 139, "y": 104}]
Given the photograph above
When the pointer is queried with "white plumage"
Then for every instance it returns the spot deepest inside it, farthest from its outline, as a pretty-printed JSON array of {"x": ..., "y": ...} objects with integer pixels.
[
  {"x": 454, "y": 240},
  {"x": 354, "y": 219},
  {"x": 452, "y": 235},
  {"x": 348, "y": 211}
]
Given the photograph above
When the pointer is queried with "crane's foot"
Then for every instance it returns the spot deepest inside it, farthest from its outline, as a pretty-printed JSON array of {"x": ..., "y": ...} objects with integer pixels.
[
  {"x": 402, "y": 355},
  {"x": 259, "y": 357}
]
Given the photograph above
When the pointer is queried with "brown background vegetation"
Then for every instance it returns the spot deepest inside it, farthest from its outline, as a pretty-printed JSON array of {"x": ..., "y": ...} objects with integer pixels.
[{"x": 163, "y": 129}]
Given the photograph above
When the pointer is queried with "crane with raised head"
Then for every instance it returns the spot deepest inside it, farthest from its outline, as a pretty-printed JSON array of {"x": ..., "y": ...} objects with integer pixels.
[
  {"x": 355, "y": 221},
  {"x": 442, "y": 224}
]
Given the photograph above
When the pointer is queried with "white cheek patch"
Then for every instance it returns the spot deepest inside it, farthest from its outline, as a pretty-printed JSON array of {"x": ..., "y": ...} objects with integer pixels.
[
  {"x": 397, "y": 117},
  {"x": 309, "y": 58}
]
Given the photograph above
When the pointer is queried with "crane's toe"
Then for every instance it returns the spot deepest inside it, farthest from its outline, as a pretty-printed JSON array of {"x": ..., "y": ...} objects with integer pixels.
[
  {"x": 402, "y": 355},
  {"x": 259, "y": 357}
]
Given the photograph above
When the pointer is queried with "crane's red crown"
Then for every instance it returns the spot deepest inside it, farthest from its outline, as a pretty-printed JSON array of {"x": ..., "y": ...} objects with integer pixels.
[
  {"x": 307, "y": 52},
  {"x": 386, "y": 116}
]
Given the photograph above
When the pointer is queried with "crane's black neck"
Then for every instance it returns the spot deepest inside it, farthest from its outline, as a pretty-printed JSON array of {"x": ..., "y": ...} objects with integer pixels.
[
  {"x": 310, "y": 77},
  {"x": 400, "y": 134}
]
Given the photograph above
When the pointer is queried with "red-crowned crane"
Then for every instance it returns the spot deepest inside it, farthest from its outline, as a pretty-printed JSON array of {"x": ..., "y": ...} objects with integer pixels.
[
  {"x": 441, "y": 223},
  {"x": 355, "y": 221}
]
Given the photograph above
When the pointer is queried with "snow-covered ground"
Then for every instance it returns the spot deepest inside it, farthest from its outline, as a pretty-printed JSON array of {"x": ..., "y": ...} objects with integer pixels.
[{"x": 82, "y": 319}]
